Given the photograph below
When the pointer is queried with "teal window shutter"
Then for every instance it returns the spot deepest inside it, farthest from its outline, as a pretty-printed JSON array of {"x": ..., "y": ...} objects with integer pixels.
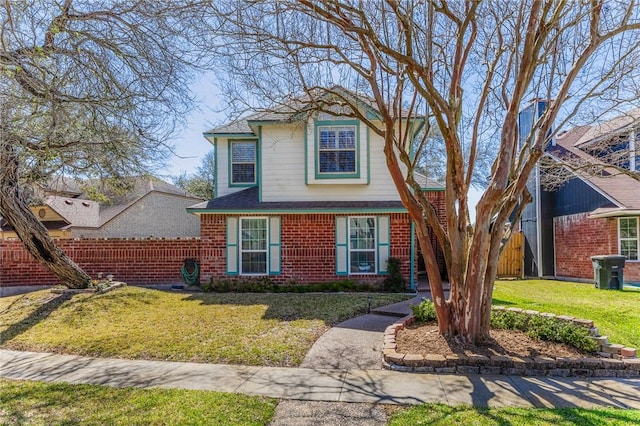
[
  {"x": 342, "y": 249},
  {"x": 384, "y": 238},
  {"x": 274, "y": 245},
  {"x": 232, "y": 246}
]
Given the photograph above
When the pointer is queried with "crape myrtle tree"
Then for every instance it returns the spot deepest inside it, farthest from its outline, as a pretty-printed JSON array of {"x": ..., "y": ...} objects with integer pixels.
[
  {"x": 89, "y": 89},
  {"x": 468, "y": 68}
]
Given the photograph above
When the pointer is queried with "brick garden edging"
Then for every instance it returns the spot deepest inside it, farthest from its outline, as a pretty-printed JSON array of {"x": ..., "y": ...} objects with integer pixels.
[{"x": 612, "y": 360}]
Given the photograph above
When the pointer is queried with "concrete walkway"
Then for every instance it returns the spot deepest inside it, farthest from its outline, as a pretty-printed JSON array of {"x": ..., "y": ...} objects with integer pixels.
[{"x": 333, "y": 385}]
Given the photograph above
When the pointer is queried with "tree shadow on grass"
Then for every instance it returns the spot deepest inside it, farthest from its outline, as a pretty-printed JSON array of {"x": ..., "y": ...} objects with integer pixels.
[
  {"x": 332, "y": 308},
  {"x": 40, "y": 314}
]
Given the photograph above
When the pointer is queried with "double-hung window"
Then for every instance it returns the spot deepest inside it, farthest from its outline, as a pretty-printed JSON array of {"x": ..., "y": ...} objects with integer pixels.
[
  {"x": 336, "y": 150},
  {"x": 243, "y": 162},
  {"x": 362, "y": 245},
  {"x": 628, "y": 237},
  {"x": 253, "y": 246}
]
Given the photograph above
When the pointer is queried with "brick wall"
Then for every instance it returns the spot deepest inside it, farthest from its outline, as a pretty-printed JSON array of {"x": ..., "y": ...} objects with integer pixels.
[
  {"x": 437, "y": 199},
  {"x": 577, "y": 238},
  {"x": 307, "y": 247},
  {"x": 135, "y": 261}
]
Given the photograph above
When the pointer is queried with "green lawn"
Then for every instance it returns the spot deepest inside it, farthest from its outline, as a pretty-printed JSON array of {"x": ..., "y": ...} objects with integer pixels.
[
  {"x": 138, "y": 323},
  {"x": 615, "y": 313},
  {"x": 32, "y": 403},
  {"x": 439, "y": 414}
]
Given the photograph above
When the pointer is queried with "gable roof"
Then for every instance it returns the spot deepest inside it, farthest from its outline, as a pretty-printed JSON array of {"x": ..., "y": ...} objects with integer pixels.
[
  {"x": 77, "y": 212},
  {"x": 617, "y": 124},
  {"x": 81, "y": 212},
  {"x": 622, "y": 189},
  {"x": 292, "y": 110}
]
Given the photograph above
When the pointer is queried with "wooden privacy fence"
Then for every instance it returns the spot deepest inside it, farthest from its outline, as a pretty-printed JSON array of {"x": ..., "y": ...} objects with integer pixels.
[{"x": 512, "y": 258}]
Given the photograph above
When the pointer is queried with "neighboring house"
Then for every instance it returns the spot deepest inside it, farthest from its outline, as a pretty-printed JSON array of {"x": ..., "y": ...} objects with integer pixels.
[
  {"x": 590, "y": 214},
  {"x": 149, "y": 208},
  {"x": 305, "y": 198}
]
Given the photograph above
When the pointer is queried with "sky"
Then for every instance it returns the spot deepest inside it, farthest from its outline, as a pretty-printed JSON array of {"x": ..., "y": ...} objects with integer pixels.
[{"x": 190, "y": 144}]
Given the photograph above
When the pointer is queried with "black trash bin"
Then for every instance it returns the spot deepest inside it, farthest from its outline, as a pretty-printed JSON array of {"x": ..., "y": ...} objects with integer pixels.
[{"x": 608, "y": 271}]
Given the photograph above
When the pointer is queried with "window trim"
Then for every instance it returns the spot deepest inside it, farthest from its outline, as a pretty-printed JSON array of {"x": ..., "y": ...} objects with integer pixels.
[
  {"x": 374, "y": 250},
  {"x": 241, "y": 250},
  {"x": 231, "y": 163},
  {"x": 636, "y": 239},
  {"x": 336, "y": 123}
]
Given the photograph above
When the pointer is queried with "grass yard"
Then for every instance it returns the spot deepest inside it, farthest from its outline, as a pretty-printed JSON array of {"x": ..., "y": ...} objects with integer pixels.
[
  {"x": 139, "y": 323},
  {"x": 615, "y": 313},
  {"x": 33, "y": 403},
  {"x": 439, "y": 414}
]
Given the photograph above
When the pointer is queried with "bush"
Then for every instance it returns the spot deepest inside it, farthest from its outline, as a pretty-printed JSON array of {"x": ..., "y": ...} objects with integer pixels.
[
  {"x": 425, "y": 311},
  {"x": 394, "y": 282},
  {"x": 265, "y": 285},
  {"x": 545, "y": 328}
]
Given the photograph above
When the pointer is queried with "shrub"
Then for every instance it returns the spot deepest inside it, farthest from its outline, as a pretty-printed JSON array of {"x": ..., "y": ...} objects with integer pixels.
[
  {"x": 394, "y": 282},
  {"x": 424, "y": 311},
  {"x": 545, "y": 328},
  {"x": 265, "y": 285}
]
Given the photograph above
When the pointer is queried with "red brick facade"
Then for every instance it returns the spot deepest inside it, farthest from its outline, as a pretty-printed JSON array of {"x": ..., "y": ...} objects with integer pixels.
[
  {"x": 308, "y": 253},
  {"x": 577, "y": 238},
  {"x": 135, "y": 261}
]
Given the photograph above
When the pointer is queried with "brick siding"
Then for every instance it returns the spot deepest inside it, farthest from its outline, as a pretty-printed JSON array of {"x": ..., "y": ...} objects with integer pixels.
[
  {"x": 135, "y": 261},
  {"x": 577, "y": 238},
  {"x": 307, "y": 247}
]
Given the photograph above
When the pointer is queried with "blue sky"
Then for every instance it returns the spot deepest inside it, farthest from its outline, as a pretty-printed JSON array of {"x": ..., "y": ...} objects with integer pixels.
[{"x": 190, "y": 145}]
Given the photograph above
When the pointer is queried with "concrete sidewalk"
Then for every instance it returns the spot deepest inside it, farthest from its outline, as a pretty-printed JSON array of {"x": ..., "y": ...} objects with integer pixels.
[{"x": 333, "y": 385}]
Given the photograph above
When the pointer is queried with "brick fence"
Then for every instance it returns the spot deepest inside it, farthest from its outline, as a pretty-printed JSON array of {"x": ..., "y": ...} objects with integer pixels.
[{"x": 135, "y": 261}]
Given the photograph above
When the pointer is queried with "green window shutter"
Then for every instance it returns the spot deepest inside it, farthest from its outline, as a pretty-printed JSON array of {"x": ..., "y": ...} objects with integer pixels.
[
  {"x": 384, "y": 238},
  {"x": 274, "y": 245},
  {"x": 232, "y": 246},
  {"x": 342, "y": 248}
]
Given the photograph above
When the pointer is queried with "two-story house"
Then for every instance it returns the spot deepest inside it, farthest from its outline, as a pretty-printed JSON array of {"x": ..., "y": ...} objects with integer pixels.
[
  {"x": 595, "y": 211},
  {"x": 305, "y": 198}
]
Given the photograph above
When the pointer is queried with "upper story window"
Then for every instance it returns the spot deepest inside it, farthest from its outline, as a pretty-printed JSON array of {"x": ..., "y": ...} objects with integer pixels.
[
  {"x": 628, "y": 237},
  {"x": 337, "y": 150},
  {"x": 243, "y": 162}
]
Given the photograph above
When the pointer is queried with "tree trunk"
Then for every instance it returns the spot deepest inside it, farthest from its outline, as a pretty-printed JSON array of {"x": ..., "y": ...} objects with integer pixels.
[{"x": 29, "y": 229}]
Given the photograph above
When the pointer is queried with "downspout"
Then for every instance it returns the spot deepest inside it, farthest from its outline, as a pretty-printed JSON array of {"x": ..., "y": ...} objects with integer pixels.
[{"x": 539, "y": 224}]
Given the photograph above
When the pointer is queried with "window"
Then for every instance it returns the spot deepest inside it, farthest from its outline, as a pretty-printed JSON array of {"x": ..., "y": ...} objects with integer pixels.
[
  {"x": 628, "y": 236},
  {"x": 253, "y": 246},
  {"x": 336, "y": 149},
  {"x": 362, "y": 245},
  {"x": 243, "y": 162}
]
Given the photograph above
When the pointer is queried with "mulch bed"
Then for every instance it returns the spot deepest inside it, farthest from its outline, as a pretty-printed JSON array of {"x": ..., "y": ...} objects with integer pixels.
[{"x": 424, "y": 339}]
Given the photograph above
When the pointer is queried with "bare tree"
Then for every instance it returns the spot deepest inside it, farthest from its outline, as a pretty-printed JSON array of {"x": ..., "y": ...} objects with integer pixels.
[
  {"x": 468, "y": 67},
  {"x": 89, "y": 89}
]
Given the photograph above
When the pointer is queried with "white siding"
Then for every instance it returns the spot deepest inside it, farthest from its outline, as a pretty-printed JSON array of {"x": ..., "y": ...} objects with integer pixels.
[{"x": 283, "y": 169}]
